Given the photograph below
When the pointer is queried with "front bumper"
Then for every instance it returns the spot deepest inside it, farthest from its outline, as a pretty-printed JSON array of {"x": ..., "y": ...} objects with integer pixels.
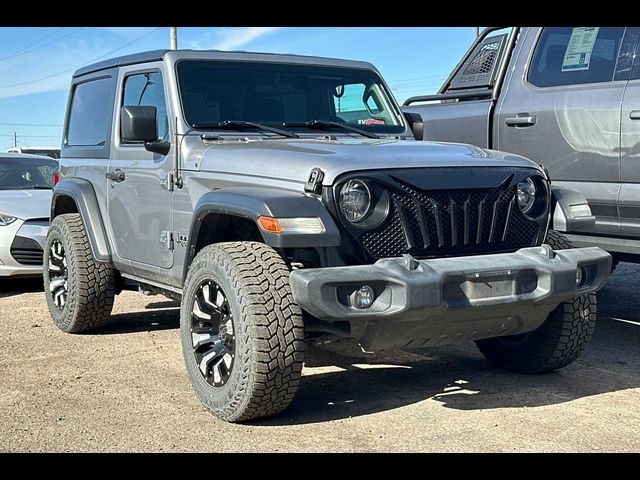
[
  {"x": 34, "y": 230},
  {"x": 446, "y": 300}
]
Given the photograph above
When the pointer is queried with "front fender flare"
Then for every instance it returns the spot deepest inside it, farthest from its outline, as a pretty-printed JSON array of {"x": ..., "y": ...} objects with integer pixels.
[
  {"x": 84, "y": 196},
  {"x": 253, "y": 202}
]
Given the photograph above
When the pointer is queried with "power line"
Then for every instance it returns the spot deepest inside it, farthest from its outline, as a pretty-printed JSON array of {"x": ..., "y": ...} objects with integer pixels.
[
  {"x": 31, "y": 124},
  {"x": 31, "y": 136},
  {"x": 18, "y": 52},
  {"x": 43, "y": 45},
  {"x": 84, "y": 63}
]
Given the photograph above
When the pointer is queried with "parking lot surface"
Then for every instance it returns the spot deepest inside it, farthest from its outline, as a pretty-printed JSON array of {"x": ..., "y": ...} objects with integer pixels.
[{"x": 126, "y": 389}]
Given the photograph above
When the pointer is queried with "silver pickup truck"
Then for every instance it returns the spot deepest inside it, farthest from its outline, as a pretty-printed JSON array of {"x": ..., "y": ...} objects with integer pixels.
[{"x": 565, "y": 97}]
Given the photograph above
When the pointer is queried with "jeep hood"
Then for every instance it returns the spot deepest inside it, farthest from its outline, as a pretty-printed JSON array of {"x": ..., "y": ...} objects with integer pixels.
[
  {"x": 293, "y": 159},
  {"x": 25, "y": 204}
]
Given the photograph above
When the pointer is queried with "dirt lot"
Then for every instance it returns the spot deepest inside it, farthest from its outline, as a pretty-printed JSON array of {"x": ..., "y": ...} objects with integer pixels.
[{"x": 125, "y": 389}]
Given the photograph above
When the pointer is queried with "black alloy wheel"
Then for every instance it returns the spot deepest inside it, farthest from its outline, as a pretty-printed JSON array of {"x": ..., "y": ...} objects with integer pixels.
[
  {"x": 58, "y": 274},
  {"x": 212, "y": 333}
]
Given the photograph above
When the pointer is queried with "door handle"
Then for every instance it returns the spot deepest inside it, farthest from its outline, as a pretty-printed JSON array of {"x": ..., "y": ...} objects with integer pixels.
[
  {"x": 521, "y": 120},
  {"x": 634, "y": 114},
  {"x": 116, "y": 176}
]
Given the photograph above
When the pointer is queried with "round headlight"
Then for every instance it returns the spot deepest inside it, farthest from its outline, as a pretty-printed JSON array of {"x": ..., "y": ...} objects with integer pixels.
[
  {"x": 526, "y": 192},
  {"x": 355, "y": 200}
]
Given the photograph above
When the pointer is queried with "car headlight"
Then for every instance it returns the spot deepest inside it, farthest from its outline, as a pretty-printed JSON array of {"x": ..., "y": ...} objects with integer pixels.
[
  {"x": 526, "y": 193},
  {"x": 355, "y": 200},
  {"x": 6, "y": 220}
]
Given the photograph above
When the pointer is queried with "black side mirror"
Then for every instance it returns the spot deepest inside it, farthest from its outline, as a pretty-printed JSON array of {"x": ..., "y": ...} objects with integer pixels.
[
  {"x": 416, "y": 124},
  {"x": 138, "y": 124}
]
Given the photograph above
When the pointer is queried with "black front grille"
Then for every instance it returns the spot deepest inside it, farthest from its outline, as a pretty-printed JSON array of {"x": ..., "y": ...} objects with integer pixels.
[
  {"x": 26, "y": 251},
  {"x": 450, "y": 222}
]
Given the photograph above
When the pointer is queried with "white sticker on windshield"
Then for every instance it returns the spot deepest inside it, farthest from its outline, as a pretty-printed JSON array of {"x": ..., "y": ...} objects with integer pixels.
[{"x": 578, "y": 54}]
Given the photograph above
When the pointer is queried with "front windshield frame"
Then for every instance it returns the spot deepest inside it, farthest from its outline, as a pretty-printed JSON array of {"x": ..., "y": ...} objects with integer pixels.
[
  {"x": 399, "y": 129},
  {"x": 35, "y": 163}
]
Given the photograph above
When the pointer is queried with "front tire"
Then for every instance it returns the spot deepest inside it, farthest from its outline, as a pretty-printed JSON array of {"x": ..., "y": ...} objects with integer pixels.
[
  {"x": 558, "y": 342},
  {"x": 242, "y": 332},
  {"x": 79, "y": 291}
]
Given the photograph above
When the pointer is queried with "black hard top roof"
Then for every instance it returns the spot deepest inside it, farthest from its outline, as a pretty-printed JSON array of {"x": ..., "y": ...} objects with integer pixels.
[
  {"x": 142, "y": 57},
  {"x": 158, "y": 55}
]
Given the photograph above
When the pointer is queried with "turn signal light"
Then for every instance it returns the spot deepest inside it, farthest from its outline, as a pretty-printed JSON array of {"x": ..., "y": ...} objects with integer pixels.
[
  {"x": 297, "y": 226},
  {"x": 270, "y": 224}
]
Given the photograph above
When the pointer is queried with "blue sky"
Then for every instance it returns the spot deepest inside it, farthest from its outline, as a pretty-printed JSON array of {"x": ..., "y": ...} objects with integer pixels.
[{"x": 36, "y": 63}]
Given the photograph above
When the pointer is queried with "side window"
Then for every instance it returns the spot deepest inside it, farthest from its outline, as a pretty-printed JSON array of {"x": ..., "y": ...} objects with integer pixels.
[
  {"x": 46, "y": 172},
  {"x": 351, "y": 106},
  {"x": 146, "y": 89},
  {"x": 635, "y": 69},
  {"x": 89, "y": 118},
  {"x": 635, "y": 72},
  {"x": 574, "y": 56}
]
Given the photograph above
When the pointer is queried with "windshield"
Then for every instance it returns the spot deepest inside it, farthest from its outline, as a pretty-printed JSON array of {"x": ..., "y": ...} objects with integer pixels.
[
  {"x": 26, "y": 173},
  {"x": 285, "y": 95}
]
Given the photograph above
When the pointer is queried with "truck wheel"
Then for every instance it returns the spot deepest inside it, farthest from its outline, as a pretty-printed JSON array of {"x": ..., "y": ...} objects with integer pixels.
[
  {"x": 557, "y": 342},
  {"x": 242, "y": 332},
  {"x": 79, "y": 290}
]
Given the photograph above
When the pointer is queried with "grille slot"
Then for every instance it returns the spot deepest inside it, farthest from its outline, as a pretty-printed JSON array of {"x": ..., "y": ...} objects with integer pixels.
[
  {"x": 445, "y": 222},
  {"x": 26, "y": 251}
]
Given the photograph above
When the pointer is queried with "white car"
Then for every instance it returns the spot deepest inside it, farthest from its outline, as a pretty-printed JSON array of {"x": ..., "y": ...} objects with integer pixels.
[{"x": 26, "y": 182}]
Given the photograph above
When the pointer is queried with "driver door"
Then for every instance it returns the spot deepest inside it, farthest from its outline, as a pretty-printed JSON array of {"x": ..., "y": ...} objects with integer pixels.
[{"x": 139, "y": 204}]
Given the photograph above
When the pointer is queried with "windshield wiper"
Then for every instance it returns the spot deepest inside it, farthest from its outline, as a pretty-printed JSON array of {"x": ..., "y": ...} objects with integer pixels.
[
  {"x": 239, "y": 124},
  {"x": 323, "y": 124},
  {"x": 35, "y": 187}
]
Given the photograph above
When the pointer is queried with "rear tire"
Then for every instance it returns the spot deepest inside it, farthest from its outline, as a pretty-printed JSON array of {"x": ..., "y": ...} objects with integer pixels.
[
  {"x": 242, "y": 332},
  {"x": 79, "y": 291},
  {"x": 557, "y": 342}
]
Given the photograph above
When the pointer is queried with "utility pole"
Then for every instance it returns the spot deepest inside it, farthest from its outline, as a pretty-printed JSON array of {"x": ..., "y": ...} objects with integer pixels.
[
  {"x": 174, "y": 38},
  {"x": 477, "y": 32},
  {"x": 15, "y": 139}
]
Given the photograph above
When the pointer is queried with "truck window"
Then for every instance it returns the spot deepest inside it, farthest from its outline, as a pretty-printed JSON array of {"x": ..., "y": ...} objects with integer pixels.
[
  {"x": 146, "y": 89},
  {"x": 635, "y": 69},
  {"x": 89, "y": 117},
  {"x": 573, "y": 56}
]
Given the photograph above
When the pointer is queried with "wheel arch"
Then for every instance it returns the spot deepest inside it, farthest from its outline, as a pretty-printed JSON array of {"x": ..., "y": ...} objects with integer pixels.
[
  {"x": 77, "y": 195},
  {"x": 242, "y": 206}
]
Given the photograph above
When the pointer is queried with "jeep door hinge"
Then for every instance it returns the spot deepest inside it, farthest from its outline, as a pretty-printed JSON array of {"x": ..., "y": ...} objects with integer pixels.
[
  {"x": 166, "y": 238},
  {"x": 168, "y": 182}
]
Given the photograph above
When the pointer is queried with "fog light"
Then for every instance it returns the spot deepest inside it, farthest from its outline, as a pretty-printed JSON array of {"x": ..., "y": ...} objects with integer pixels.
[
  {"x": 364, "y": 297},
  {"x": 580, "y": 276}
]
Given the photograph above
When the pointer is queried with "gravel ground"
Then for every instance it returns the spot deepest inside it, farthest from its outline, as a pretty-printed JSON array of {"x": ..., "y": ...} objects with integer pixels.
[{"x": 125, "y": 389}]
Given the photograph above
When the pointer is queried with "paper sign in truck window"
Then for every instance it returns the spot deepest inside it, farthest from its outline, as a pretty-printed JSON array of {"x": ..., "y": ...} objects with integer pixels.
[{"x": 578, "y": 54}]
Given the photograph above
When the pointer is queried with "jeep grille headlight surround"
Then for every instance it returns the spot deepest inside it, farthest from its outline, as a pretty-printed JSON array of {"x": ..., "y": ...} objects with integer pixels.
[
  {"x": 355, "y": 200},
  {"x": 532, "y": 197},
  {"x": 526, "y": 192},
  {"x": 6, "y": 220}
]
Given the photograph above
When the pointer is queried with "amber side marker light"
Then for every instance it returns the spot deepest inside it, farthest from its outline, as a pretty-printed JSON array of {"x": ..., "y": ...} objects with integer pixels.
[
  {"x": 270, "y": 224},
  {"x": 304, "y": 226}
]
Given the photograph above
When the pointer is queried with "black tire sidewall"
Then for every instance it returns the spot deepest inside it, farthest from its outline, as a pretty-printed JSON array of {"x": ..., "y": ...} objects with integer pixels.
[
  {"x": 229, "y": 397},
  {"x": 543, "y": 349}
]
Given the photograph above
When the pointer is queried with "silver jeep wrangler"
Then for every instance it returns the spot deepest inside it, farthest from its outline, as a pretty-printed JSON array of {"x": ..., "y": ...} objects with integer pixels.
[{"x": 283, "y": 198}]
